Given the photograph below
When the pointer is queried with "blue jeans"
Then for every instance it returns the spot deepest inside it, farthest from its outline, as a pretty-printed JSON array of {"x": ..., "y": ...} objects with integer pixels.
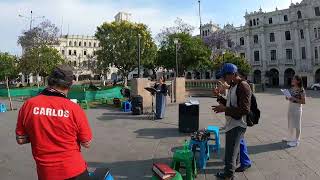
[{"x": 244, "y": 155}]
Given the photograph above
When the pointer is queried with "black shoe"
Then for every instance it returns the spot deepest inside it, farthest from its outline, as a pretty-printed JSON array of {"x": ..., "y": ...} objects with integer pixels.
[
  {"x": 243, "y": 168},
  {"x": 221, "y": 175}
]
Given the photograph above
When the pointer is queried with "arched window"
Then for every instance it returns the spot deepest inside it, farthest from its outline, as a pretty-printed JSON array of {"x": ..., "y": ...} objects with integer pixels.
[
  {"x": 89, "y": 44},
  {"x": 229, "y": 43},
  {"x": 94, "y": 44},
  {"x": 301, "y": 34},
  {"x": 256, "y": 39},
  {"x": 254, "y": 22},
  {"x": 70, "y": 43},
  {"x": 299, "y": 14},
  {"x": 250, "y": 22},
  {"x": 85, "y": 44},
  {"x": 288, "y": 35},
  {"x": 80, "y": 43},
  {"x": 241, "y": 41},
  {"x": 75, "y": 43}
]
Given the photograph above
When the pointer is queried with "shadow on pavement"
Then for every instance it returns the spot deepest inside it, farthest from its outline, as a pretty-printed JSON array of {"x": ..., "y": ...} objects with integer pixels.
[
  {"x": 267, "y": 147},
  {"x": 115, "y": 115},
  {"x": 158, "y": 133},
  {"x": 138, "y": 169}
]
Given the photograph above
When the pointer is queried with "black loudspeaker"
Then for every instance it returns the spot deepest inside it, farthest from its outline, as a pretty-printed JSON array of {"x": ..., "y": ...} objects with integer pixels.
[
  {"x": 137, "y": 105},
  {"x": 188, "y": 118}
]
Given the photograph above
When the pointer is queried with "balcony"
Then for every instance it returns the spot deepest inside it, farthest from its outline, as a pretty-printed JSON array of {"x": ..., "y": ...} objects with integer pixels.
[
  {"x": 257, "y": 63},
  {"x": 273, "y": 63},
  {"x": 316, "y": 62},
  {"x": 290, "y": 62}
]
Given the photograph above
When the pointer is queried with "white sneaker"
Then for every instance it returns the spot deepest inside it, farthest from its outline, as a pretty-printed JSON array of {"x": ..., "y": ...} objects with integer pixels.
[{"x": 293, "y": 143}]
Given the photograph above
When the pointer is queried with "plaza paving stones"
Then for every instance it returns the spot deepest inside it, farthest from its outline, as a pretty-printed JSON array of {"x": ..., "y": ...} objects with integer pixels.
[{"x": 128, "y": 145}]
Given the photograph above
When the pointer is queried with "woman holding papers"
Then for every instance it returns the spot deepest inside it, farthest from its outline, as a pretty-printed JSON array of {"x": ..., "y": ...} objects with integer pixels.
[
  {"x": 296, "y": 100},
  {"x": 161, "y": 98}
]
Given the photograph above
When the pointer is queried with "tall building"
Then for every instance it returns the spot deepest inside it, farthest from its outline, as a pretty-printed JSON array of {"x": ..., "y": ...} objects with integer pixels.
[
  {"x": 281, "y": 43},
  {"x": 122, "y": 16},
  {"x": 209, "y": 28},
  {"x": 80, "y": 52}
]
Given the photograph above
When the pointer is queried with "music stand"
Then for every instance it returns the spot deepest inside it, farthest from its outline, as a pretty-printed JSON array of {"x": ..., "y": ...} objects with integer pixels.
[{"x": 152, "y": 91}]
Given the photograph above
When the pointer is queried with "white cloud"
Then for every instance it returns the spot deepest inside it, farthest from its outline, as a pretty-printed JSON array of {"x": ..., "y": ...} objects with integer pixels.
[{"x": 83, "y": 16}]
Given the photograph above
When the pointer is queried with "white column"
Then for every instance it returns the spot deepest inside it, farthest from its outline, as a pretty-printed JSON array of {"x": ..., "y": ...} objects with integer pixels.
[
  {"x": 248, "y": 50},
  {"x": 23, "y": 79},
  {"x": 30, "y": 78},
  {"x": 263, "y": 51},
  {"x": 311, "y": 79},
  {"x": 309, "y": 52},
  {"x": 281, "y": 52},
  {"x": 281, "y": 78},
  {"x": 296, "y": 52}
]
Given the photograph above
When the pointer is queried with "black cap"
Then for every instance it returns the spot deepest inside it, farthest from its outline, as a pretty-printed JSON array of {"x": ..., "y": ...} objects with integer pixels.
[{"x": 62, "y": 75}]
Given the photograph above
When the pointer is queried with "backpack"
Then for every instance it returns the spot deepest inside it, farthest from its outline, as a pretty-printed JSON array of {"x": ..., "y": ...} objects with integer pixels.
[{"x": 254, "y": 115}]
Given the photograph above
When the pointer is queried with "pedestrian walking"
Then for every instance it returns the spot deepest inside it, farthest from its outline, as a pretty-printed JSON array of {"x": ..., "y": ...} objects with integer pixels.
[
  {"x": 297, "y": 99},
  {"x": 236, "y": 107},
  {"x": 56, "y": 128}
]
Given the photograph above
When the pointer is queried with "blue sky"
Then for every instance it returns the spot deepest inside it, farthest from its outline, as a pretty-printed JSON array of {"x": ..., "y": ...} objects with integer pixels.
[{"x": 83, "y": 16}]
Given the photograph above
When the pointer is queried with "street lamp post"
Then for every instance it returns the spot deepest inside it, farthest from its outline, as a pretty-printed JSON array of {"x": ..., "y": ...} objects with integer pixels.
[
  {"x": 223, "y": 53},
  {"x": 31, "y": 18},
  {"x": 139, "y": 58},
  {"x": 176, "y": 42},
  {"x": 199, "y": 1},
  {"x": 39, "y": 70}
]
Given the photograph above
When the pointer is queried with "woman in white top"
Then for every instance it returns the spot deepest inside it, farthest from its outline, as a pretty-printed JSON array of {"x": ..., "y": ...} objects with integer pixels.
[{"x": 297, "y": 99}]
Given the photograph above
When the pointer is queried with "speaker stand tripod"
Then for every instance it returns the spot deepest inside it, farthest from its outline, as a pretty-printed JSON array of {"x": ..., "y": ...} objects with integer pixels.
[{"x": 152, "y": 114}]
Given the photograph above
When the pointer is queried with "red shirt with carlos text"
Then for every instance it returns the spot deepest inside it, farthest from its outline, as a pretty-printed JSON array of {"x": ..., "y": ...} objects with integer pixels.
[{"x": 55, "y": 127}]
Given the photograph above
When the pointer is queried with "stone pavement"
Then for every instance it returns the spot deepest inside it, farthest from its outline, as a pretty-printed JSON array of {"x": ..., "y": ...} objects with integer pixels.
[{"x": 130, "y": 144}]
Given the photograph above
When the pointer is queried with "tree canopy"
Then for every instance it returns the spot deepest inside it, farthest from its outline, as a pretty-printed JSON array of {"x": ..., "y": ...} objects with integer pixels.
[
  {"x": 219, "y": 42},
  {"x": 40, "y": 60},
  {"x": 229, "y": 57},
  {"x": 8, "y": 66},
  {"x": 192, "y": 52},
  {"x": 119, "y": 43},
  {"x": 45, "y": 33},
  {"x": 179, "y": 27}
]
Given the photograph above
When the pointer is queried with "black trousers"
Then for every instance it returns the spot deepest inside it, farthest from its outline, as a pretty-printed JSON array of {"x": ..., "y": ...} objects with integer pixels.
[
  {"x": 82, "y": 176},
  {"x": 232, "y": 149}
]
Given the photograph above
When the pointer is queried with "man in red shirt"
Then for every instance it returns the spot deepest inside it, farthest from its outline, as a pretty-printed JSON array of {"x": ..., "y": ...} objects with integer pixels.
[{"x": 56, "y": 128}]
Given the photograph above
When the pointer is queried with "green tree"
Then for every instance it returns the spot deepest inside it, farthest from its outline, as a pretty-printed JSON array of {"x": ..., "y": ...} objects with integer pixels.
[
  {"x": 119, "y": 46},
  {"x": 230, "y": 57},
  {"x": 8, "y": 71},
  {"x": 191, "y": 51},
  {"x": 45, "y": 33},
  {"x": 40, "y": 61}
]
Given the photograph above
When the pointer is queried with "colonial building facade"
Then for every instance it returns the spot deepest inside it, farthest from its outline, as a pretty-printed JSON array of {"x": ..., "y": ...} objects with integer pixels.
[
  {"x": 80, "y": 52},
  {"x": 281, "y": 43}
]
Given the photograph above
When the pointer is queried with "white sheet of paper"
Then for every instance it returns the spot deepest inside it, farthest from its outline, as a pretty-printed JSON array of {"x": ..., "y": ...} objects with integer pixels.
[
  {"x": 286, "y": 92},
  {"x": 194, "y": 102}
]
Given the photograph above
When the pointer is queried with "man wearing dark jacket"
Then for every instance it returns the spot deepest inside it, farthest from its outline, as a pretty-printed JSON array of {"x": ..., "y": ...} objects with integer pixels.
[{"x": 236, "y": 107}]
